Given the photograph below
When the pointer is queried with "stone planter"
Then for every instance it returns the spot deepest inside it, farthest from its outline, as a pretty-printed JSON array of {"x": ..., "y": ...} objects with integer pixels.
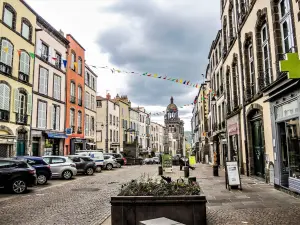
[{"x": 130, "y": 210}]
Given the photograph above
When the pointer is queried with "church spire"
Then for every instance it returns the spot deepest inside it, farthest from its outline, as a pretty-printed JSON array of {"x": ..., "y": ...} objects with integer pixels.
[{"x": 172, "y": 100}]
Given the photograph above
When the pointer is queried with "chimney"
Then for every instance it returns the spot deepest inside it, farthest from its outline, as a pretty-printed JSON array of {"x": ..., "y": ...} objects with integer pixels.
[{"x": 108, "y": 96}]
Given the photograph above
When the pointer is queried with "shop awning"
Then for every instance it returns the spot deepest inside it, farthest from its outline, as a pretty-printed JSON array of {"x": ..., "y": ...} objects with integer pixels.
[{"x": 56, "y": 135}]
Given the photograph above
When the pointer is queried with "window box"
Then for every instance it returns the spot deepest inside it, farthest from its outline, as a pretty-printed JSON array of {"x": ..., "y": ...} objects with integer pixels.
[
  {"x": 4, "y": 115},
  {"x": 23, "y": 77},
  {"x": 5, "y": 68},
  {"x": 21, "y": 118},
  {"x": 72, "y": 99}
]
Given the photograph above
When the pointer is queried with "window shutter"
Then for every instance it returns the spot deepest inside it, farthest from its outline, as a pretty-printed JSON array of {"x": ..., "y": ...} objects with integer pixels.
[
  {"x": 52, "y": 116},
  {"x": 2, "y": 96},
  {"x": 26, "y": 64},
  {"x": 9, "y": 54},
  {"x": 57, "y": 118},
  {"x": 38, "y": 49},
  {"x": 46, "y": 82},
  {"x": 16, "y": 102},
  {"x": 42, "y": 82},
  {"x": 44, "y": 115},
  {"x": 29, "y": 104},
  {"x": 50, "y": 55}
]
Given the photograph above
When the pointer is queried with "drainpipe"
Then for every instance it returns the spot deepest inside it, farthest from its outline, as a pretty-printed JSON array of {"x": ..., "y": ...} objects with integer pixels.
[{"x": 106, "y": 126}]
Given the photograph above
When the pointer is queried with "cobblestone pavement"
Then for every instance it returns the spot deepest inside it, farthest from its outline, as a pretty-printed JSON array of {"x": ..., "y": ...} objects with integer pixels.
[
  {"x": 85, "y": 200},
  {"x": 257, "y": 203}
]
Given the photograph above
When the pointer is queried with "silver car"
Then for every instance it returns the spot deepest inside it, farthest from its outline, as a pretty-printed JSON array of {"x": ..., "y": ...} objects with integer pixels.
[
  {"x": 61, "y": 166},
  {"x": 110, "y": 162}
]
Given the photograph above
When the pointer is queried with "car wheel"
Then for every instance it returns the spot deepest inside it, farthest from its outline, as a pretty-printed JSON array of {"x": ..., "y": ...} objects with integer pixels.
[
  {"x": 18, "y": 186},
  {"x": 90, "y": 171},
  {"x": 67, "y": 174},
  {"x": 109, "y": 166},
  {"x": 98, "y": 169},
  {"x": 119, "y": 165},
  {"x": 41, "y": 179}
]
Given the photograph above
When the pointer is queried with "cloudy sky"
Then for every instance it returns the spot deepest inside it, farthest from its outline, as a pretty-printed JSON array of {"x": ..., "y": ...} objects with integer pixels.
[{"x": 167, "y": 37}]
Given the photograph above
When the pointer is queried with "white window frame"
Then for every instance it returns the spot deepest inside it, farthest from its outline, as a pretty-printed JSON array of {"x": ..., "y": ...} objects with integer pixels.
[
  {"x": 87, "y": 121},
  {"x": 5, "y": 93},
  {"x": 265, "y": 43},
  {"x": 43, "y": 81},
  {"x": 6, "y": 57},
  {"x": 79, "y": 119},
  {"x": 24, "y": 63},
  {"x": 79, "y": 66},
  {"x": 79, "y": 90},
  {"x": 73, "y": 59},
  {"x": 72, "y": 89},
  {"x": 87, "y": 100},
  {"x": 24, "y": 25},
  {"x": 56, "y": 86},
  {"x": 72, "y": 117},
  {"x": 42, "y": 115},
  {"x": 251, "y": 61},
  {"x": 92, "y": 102},
  {"x": 55, "y": 117},
  {"x": 286, "y": 18},
  {"x": 8, "y": 21}
]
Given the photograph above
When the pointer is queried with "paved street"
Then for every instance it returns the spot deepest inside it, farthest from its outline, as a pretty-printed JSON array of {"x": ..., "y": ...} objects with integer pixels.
[{"x": 84, "y": 200}]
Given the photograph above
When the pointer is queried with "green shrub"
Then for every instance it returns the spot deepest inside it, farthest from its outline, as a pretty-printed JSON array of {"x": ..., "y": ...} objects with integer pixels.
[{"x": 151, "y": 187}]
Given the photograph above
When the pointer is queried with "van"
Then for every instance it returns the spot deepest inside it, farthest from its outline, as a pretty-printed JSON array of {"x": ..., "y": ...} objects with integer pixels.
[{"x": 97, "y": 156}]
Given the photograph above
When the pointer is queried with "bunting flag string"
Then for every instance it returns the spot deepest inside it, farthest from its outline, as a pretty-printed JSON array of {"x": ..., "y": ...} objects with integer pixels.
[
  {"x": 162, "y": 112},
  {"x": 155, "y": 75}
]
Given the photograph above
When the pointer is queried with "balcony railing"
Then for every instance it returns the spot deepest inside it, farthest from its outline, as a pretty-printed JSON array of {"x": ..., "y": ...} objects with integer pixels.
[
  {"x": 72, "y": 99},
  {"x": 23, "y": 77},
  {"x": 5, "y": 68},
  {"x": 79, "y": 130},
  {"x": 4, "y": 115},
  {"x": 73, "y": 129},
  {"x": 79, "y": 102},
  {"x": 21, "y": 118}
]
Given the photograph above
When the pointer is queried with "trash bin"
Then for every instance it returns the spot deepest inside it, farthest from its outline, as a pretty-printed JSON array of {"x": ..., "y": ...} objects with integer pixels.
[
  {"x": 186, "y": 170},
  {"x": 160, "y": 170},
  {"x": 216, "y": 170}
]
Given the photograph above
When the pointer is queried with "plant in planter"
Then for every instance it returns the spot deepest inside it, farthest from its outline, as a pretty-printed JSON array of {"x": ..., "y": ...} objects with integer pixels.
[{"x": 147, "y": 198}]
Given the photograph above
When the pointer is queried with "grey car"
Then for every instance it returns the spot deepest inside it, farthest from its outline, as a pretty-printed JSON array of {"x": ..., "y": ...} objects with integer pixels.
[
  {"x": 61, "y": 166},
  {"x": 110, "y": 162}
]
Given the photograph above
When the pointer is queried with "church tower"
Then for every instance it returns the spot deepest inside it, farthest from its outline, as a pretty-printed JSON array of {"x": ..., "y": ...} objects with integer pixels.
[{"x": 174, "y": 130}]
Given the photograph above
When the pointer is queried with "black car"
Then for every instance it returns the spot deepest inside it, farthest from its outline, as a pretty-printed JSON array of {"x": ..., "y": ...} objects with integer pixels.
[
  {"x": 16, "y": 175},
  {"x": 43, "y": 171},
  {"x": 119, "y": 157},
  {"x": 84, "y": 164}
]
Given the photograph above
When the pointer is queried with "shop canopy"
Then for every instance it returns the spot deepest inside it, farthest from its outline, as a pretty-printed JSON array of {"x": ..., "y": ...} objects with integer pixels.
[{"x": 56, "y": 135}]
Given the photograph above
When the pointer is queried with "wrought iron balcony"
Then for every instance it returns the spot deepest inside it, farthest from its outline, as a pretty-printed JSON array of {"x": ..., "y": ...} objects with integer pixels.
[
  {"x": 72, "y": 99},
  {"x": 79, "y": 102},
  {"x": 5, "y": 68},
  {"x": 4, "y": 115},
  {"x": 79, "y": 130},
  {"x": 21, "y": 118},
  {"x": 23, "y": 77}
]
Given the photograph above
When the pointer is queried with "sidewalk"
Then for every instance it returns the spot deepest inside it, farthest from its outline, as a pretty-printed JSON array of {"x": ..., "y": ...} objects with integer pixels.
[{"x": 257, "y": 203}]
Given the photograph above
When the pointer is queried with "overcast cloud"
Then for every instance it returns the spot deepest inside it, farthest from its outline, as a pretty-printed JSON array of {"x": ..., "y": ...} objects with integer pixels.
[{"x": 156, "y": 36}]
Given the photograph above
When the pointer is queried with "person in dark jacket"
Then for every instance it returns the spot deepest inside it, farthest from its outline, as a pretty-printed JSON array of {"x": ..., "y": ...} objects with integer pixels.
[{"x": 184, "y": 161}]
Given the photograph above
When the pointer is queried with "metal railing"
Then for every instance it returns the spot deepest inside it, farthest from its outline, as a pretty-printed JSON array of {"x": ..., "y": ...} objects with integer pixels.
[
  {"x": 21, "y": 118},
  {"x": 23, "y": 77},
  {"x": 5, "y": 68}
]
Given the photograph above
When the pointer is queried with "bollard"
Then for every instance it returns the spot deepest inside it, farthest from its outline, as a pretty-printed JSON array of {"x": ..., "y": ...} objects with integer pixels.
[
  {"x": 186, "y": 170},
  {"x": 216, "y": 170},
  {"x": 160, "y": 170}
]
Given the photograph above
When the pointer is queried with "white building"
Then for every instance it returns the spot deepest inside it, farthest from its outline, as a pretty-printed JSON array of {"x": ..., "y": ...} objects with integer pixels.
[
  {"x": 142, "y": 128},
  {"x": 107, "y": 125},
  {"x": 157, "y": 134},
  {"x": 134, "y": 124},
  {"x": 90, "y": 107}
]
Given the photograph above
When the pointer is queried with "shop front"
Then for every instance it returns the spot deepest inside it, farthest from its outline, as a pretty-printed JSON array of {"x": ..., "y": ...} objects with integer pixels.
[
  {"x": 77, "y": 144},
  {"x": 54, "y": 143},
  {"x": 286, "y": 142}
]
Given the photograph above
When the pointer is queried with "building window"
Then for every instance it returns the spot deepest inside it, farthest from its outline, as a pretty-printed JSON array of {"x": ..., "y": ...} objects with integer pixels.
[
  {"x": 79, "y": 66},
  {"x": 43, "y": 81},
  {"x": 24, "y": 66},
  {"x": 110, "y": 135},
  {"x": 87, "y": 100},
  {"x": 87, "y": 78},
  {"x": 56, "y": 87},
  {"x": 100, "y": 134},
  {"x": 99, "y": 103},
  {"x": 72, "y": 92},
  {"x": 266, "y": 54},
  {"x": 251, "y": 69},
  {"x": 42, "y": 114},
  {"x": 114, "y": 120},
  {"x": 93, "y": 85},
  {"x": 79, "y": 89},
  {"x": 110, "y": 119},
  {"x": 92, "y": 102},
  {"x": 72, "y": 119},
  {"x": 26, "y": 29},
  {"x": 45, "y": 52},
  {"x": 87, "y": 119},
  {"x": 9, "y": 16},
  {"x": 73, "y": 60},
  {"x": 286, "y": 25},
  {"x": 6, "y": 57},
  {"x": 58, "y": 60},
  {"x": 117, "y": 136},
  {"x": 117, "y": 121},
  {"x": 79, "y": 121},
  {"x": 4, "y": 100},
  {"x": 114, "y": 136},
  {"x": 92, "y": 128},
  {"x": 55, "y": 117}
]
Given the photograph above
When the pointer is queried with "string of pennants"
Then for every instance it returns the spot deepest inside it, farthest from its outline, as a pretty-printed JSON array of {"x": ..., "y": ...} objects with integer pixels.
[
  {"x": 163, "y": 112},
  {"x": 32, "y": 55},
  {"x": 211, "y": 92},
  {"x": 154, "y": 75}
]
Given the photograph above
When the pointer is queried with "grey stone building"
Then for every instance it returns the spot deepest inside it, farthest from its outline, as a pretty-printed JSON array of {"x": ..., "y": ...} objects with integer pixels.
[{"x": 174, "y": 130}]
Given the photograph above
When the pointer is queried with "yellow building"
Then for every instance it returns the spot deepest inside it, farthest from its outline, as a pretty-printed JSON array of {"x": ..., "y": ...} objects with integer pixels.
[{"x": 17, "y": 38}]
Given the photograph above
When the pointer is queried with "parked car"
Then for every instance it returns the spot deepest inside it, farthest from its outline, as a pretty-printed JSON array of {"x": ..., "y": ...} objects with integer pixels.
[
  {"x": 16, "y": 175},
  {"x": 43, "y": 171},
  {"x": 110, "y": 162},
  {"x": 155, "y": 160},
  {"x": 148, "y": 161},
  {"x": 84, "y": 164},
  {"x": 96, "y": 156},
  {"x": 61, "y": 166},
  {"x": 119, "y": 157}
]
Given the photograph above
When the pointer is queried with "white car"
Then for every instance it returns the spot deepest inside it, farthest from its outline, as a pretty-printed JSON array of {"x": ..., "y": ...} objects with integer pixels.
[
  {"x": 110, "y": 162},
  {"x": 61, "y": 166},
  {"x": 96, "y": 156}
]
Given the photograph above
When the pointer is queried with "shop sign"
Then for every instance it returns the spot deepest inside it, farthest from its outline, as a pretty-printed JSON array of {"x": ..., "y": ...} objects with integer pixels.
[
  {"x": 68, "y": 131},
  {"x": 232, "y": 174}
]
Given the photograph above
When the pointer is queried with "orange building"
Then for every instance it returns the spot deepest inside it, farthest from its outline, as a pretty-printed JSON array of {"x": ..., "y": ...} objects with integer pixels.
[{"x": 74, "y": 97}]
